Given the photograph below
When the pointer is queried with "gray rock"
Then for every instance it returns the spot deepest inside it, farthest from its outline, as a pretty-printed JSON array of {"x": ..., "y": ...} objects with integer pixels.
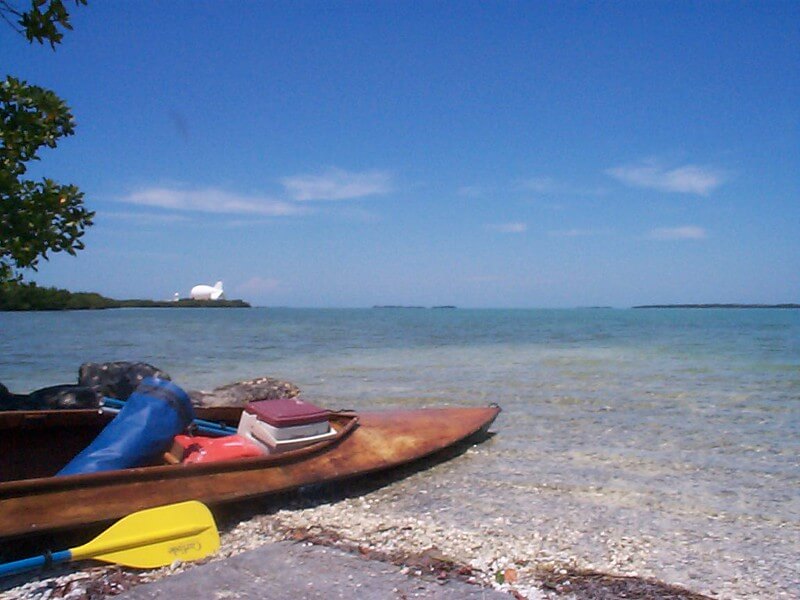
[
  {"x": 117, "y": 379},
  {"x": 287, "y": 570},
  {"x": 120, "y": 379},
  {"x": 242, "y": 392}
]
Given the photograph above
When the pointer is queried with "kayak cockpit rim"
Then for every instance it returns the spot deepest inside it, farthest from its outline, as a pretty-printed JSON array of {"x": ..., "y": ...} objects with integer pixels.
[{"x": 343, "y": 422}]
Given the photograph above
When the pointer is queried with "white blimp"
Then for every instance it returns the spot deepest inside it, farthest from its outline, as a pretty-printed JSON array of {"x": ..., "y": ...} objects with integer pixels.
[{"x": 207, "y": 292}]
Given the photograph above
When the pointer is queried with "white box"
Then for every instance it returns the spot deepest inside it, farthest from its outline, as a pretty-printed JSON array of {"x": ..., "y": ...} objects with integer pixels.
[
  {"x": 263, "y": 434},
  {"x": 248, "y": 420}
]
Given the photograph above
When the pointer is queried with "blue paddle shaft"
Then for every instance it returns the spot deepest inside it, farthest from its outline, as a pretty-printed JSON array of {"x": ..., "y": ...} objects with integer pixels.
[
  {"x": 26, "y": 564},
  {"x": 205, "y": 427}
]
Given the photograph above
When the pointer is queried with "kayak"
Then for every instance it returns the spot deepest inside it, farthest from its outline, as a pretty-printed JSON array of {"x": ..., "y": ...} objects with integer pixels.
[{"x": 35, "y": 445}]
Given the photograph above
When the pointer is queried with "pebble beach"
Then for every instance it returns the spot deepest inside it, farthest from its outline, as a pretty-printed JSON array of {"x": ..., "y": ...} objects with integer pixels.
[{"x": 559, "y": 554}]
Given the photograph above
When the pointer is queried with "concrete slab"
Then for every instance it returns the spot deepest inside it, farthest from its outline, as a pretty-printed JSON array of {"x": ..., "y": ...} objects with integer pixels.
[{"x": 292, "y": 570}]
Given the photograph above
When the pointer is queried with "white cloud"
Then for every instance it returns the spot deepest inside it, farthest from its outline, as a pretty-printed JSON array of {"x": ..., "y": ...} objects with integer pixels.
[
  {"x": 688, "y": 179},
  {"x": 542, "y": 185},
  {"x": 145, "y": 218},
  {"x": 259, "y": 285},
  {"x": 470, "y": 191},
  {"x": 509, "y": 227},
  {"x": 687, "y": 232},
  {"x": 358, "y": 215},
  {"x": 579, "y": 232},
  {"x": 246, "y": 221},
  {"x": 337, "y": 184},
  {"x": 212, "y": 200},
  {"x": 549, "y": 186}
]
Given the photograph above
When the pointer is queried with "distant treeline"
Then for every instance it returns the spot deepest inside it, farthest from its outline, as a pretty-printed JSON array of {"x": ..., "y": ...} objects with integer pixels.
[
  {"x": 719, "y": 306},
  {"x": 29, "y": 296}
]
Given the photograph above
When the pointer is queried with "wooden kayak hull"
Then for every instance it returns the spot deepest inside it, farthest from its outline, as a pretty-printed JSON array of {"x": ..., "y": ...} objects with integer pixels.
[{"x": 367, "y": 442}]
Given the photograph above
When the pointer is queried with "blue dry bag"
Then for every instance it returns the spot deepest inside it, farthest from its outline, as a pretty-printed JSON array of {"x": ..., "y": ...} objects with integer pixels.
[{"x": 154, "y": 414}]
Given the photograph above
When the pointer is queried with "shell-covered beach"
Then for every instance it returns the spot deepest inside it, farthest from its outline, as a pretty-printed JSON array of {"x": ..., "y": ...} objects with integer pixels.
[{"x": 653, "y": 444}]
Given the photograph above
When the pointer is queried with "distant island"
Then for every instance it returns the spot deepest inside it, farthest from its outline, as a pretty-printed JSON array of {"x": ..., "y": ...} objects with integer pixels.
[
  {"x": 29, "y": 296},
  {"x": 719, "y": 306}
]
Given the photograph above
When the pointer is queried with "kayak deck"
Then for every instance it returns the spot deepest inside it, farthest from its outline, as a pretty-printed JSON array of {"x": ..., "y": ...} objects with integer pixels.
[{"x": 33, "y": 447}]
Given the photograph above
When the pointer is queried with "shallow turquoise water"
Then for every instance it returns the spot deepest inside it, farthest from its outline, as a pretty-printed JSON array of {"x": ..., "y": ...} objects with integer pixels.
[{"x": 680, "y": 418}]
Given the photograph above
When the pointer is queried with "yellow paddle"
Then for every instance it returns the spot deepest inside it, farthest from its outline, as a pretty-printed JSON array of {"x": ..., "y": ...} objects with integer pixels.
[{"x": 146, "y": 539}]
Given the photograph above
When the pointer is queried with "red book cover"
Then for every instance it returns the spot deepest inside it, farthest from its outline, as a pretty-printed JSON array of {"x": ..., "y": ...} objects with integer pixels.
[{"x": 287, "y": 412}]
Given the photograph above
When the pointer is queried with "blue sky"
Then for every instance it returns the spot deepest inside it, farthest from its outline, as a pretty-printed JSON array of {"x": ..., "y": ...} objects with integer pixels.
[{"x": 495, "y": 154}]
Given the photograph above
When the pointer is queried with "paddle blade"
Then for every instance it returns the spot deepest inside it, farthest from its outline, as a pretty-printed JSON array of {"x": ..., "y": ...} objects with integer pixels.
[{"x": 156, "y": 537}]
